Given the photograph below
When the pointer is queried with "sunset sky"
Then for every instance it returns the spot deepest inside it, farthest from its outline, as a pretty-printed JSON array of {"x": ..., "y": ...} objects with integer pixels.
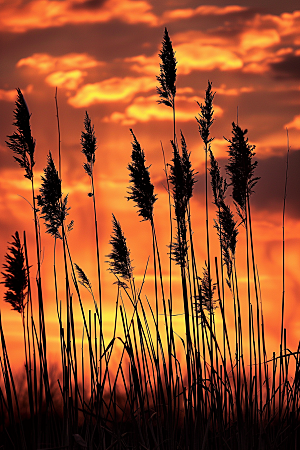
[{"x": 103, "y": 58}]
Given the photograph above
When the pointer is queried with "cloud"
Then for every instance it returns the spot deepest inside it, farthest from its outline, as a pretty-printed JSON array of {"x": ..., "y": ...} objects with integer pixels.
[
  {"x": 287, "y": 65},
  {"x": 233, "y": 92},
  {"x": 259, "y": 39},
  {"x": 295, "y": 123},
  {"x": 64, "y": 71},
  {"x": 45, "y": 63},
  {"x": 111, "y": 90},
  {"x": 204, "y": 10},
  {"x": 41, "y": 14},
  {"x": 144, "y": 109},
  {"x": 11, "y": 94},
  {"x": 269, "y": 191},
  {"x": 67, "y": 80},
  {"x": 194, "y": 51},
  {"x": 8, "y": 96},
  {"x": 198, "y": 55}
]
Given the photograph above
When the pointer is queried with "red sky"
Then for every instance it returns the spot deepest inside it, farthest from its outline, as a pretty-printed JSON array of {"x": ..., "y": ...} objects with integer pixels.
[{"x": 103, "y": 57}]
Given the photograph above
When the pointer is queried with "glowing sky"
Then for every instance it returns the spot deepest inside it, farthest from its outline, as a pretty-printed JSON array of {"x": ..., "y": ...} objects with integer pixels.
[{"x": 103, "y": 57}]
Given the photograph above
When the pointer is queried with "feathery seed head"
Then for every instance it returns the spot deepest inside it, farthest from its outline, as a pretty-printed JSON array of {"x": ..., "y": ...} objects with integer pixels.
[
  {"x": 227, "y": 232},
  {"x": 54, "y": 209},
  {"x": 207, "y": 293},
  {"x": 218, "y": 183},
  {"x": 88, "y": 142},
  {"x": 120, "y": 262},
  {"x": 205, "y": 119},
  {"x": 182, "y": 177},
  {"x": 241, "y": 168},
  {"x": 142, "y": 190},
  {"x": 188, "y": 172},
  {"x": 15, "y": 277},
  {"x": 21, "y": 142},
  {"x": 179, "y": 246},
  {"x": 167, "y": 77},
  {"x": 83, "y": 279}
]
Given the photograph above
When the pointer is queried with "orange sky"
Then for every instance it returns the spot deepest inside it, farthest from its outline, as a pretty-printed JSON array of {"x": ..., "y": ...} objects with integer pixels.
[{"x": 103, "y": 57}]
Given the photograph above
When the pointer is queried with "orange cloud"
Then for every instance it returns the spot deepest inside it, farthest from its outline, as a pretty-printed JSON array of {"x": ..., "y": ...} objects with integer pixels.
[
  {"x": 111, "y": 90},
  {"x": 8, "y": 96},
  {"x": 199, "y": 56},
  {"x": 11, "y": 94},
  {"x": 144, "y": 109},
  {"x": 59, "y": 13},
  {"x": 194, "y": 51},
  {"x": 259, "y": 39},
  {"x": 204, "y": 10},
  {"x": 295, "y": 123},
  {"x": 222, "y": 90},
  {"x": 66, "y": 80},
  {"x": 43, "y": 62}
]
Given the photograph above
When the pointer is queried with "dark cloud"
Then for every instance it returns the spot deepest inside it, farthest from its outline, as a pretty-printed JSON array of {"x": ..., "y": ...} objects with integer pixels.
[
  {"x": 288, "y": 68},
  {"x": 89, "y": 4},
  {"x": 269, "y": 191}
]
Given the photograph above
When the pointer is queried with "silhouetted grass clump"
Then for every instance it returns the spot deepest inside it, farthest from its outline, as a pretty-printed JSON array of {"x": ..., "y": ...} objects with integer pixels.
[{"x": 166, "y": 391}]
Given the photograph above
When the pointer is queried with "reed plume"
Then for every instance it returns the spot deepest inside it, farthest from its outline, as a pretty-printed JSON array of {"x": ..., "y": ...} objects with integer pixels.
[
  {"x": 205, "y": 119},
  {"x": 120, "y": 262},
  {"x": 241, "y": 168},
  {"x": 182, "y": 178},
  {"x": 207, "y": 294},
  {"x": 54, "y": 208},
  {"x": 167, "y": 77},
  {"x": 89, "y": 145},
  {"x": 226, "y": 224},
  {"x": 142, "y": 190},
  {"x": 83, "y": 279},
  {"x": 15, "y": 276},
  {"x": 21, "y": 141}
]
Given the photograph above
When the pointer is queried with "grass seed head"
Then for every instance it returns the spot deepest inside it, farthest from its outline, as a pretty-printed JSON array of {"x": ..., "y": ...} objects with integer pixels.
[
  {"x": 205, "y": 119},
  {"x": 241, "y": 168},
  {"x": 53, "y": 207},
  {"x": 167, "y": 77},
  {"x": 21, "y": 141},
  {"x": 15, "y": 276},
  {"x": 120, "y": 262},
  {"x": 89, "y": 144},
  {"x": 207, "y": 289},
  {"x": 218, "y": 183},
  {"x": 142, "y": 190}
]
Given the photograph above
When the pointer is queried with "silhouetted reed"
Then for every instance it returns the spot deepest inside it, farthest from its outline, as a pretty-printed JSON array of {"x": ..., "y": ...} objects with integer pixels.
[
  {"x": 167, "y": 76},
  {"x": 142, "y": 190},
  {"x": 119, "y": 258},
  {"x": 15, "y": 276},
  {"x": 54, "y": 208},
  {"x": 240, "y": 168}
]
